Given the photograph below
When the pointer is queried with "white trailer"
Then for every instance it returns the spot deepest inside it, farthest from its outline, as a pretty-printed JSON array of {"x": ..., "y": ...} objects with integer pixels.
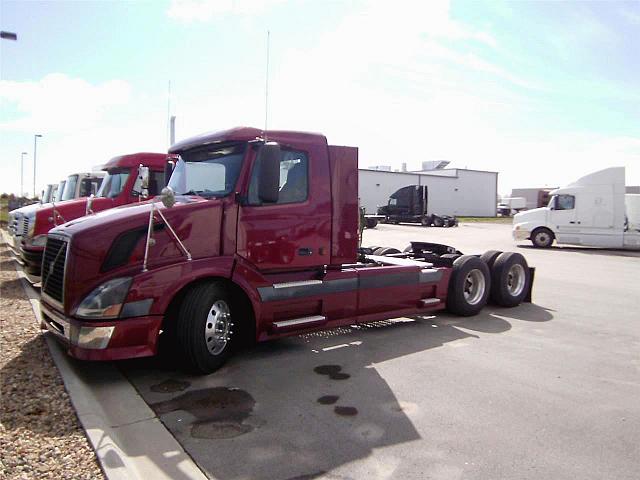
[{"x": 593, "y": 211}]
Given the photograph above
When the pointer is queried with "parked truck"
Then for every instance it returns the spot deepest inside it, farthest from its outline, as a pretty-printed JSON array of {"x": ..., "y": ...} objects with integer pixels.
[
  {"x": 411, "y": 204},
  {"x": 260, "y": 242},
  {"x": 511, "y": 205},
  {"x": 593, "y": 211},
  {"x": 121, "y": 185},
  {"x": 74, "y": 186}
]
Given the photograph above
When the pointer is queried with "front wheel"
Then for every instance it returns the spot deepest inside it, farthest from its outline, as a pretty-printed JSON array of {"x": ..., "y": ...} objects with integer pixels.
[
  {"x": 542, "y": 238},
  {"x": 469, "y": 286},
  {"x": 204, "y": 327}
]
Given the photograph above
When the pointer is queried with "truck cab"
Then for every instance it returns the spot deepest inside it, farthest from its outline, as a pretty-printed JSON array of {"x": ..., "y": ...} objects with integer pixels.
[
  {"x": 590, "y": 212},
  {"x": 254, "y": 238},
  {"x": 118, "y": 184}
]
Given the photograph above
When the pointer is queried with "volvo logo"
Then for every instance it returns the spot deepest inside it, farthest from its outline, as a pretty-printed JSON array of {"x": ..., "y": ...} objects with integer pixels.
[{"x": 51, "y": 265}]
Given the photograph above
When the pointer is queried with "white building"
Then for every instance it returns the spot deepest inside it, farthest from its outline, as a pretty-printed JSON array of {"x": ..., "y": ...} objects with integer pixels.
[{"x": 452, "y": 191}]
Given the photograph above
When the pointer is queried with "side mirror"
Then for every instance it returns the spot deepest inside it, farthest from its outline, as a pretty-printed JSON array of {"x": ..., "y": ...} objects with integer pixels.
[
  {"x": 88, "y": 209},
  {"x": 141, "y": 186},
  {"x": 269, "y": 180},
  {"x": 168, "y": 197}
]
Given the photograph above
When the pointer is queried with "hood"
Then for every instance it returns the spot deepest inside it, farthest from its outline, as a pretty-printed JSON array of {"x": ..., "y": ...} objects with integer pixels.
[
  {"x": 111, "y": 243},
  {"x": 537, "y": 215},
  {"x": 51, "y": 215},
  {"x": 27, "y": 209}
]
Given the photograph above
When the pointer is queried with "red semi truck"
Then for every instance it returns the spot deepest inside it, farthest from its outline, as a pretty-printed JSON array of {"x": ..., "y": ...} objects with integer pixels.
[
  {"x": 262, "y": 243},
  {"x": 120, "y": 186}
]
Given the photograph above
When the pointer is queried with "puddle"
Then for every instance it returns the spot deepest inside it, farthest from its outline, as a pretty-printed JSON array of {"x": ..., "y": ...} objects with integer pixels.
[
  {"x": 220, "y": 412},
  {"x": 332, "y": 371},
  {"x": 170, "y": 386},
  {"x": 346, "y": 411},
  {"x": 328, "y": 399}
]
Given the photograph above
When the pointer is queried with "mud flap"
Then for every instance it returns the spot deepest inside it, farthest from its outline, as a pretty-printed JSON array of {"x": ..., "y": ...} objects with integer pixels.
[{"x": 532, "y": 275}]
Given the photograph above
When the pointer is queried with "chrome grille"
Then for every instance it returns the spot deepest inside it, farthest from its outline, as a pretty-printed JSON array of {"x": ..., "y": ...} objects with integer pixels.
[
  {"x": 25, "y": 226},
  {"x": 53, "y": 263}
]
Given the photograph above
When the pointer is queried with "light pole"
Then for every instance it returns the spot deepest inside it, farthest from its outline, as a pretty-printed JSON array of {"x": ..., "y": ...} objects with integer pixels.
[
  {"x": 35, "y": 146},
  {"x": 22, "y": 173}
]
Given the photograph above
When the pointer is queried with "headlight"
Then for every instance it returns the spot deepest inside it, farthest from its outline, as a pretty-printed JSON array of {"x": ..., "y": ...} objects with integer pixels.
[
  {"x": 39, "y": 241},
  {"x": 106, "y": 300}
]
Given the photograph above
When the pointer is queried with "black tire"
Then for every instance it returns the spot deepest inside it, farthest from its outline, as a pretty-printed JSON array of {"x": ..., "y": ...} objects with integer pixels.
[
  {"x": 425, "y": 221},
  {"x": 468, "y": 273},
  {"x": 542, "y": 237},
  {"x": 489, "y": 257},
  {"x": 386, "y": 251},
  {"x": 371, "y": 223},
  {"x": 510, "y": 279},
  {"x": 191, "y": 329},
  {"x": 438, "y": 222}
]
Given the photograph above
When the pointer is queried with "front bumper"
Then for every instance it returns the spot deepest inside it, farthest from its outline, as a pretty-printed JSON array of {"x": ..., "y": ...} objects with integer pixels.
[
  {"x": 32, "y": 260},
  {"x": 110, "y": 340},
  {"x": 521, "y": 234}
]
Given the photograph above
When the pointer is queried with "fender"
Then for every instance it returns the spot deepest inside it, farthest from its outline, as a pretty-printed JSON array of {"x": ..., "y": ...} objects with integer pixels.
[{"x": 173, "y": 278}]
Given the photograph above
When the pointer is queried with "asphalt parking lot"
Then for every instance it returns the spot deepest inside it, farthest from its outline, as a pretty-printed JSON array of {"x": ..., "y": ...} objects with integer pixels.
[{"x": 548, "y": 390}]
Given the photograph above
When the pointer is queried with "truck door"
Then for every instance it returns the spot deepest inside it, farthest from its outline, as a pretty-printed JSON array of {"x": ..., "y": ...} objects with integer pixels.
[
  {"x": 563, "y": 218},
  {"x": 295, "y": 231}
]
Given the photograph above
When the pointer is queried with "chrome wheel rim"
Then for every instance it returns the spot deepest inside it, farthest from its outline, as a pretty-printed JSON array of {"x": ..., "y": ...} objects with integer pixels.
[
  {"x": 217, "y": 329},
  {"x": 474, "y": 287},
  {"x": 516, "y": 277}
]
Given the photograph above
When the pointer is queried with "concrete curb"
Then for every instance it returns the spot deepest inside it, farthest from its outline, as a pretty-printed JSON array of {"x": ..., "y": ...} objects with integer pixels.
[{"x": 129, "y": 440}]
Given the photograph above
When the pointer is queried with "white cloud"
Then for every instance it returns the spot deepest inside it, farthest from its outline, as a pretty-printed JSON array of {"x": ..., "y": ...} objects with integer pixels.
[
  {"x": 205, "y": 10},
  {"x": 60, "y": 103}
]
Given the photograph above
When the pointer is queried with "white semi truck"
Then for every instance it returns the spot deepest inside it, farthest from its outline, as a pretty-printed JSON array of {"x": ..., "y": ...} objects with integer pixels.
[{"x": 593, "y": 211}]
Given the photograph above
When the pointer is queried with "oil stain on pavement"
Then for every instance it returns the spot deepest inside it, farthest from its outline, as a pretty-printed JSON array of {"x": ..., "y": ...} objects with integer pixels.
[
  {"x": 220, "y": 412},
  {"x": 334, "y": 372},
  {"x": 170, "y": 386}
]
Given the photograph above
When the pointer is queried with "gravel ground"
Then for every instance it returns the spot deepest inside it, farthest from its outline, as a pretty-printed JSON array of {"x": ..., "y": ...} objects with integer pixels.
[{"x": 39, "y": 430}]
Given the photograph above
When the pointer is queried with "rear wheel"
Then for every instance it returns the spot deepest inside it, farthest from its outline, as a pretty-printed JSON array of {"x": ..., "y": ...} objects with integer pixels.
[
  {"x": 469, "y": 286},
  {"x": 489, "y": 257},
  {"x": 509, "y": 279},
  {"x": 542, "y": 237},
  {"x": 204, "y": 332},
  {"x": 438, "y": 222},
  {"x": 425, "y": 221}
]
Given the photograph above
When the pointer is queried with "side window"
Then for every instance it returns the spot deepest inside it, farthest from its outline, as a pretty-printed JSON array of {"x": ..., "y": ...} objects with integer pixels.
[
  {"x": 294, "y": 179},
  {"x": 565, "y": 202},
  {"x": 156, "y": 182},
  {"x": 89, "y": 186}
]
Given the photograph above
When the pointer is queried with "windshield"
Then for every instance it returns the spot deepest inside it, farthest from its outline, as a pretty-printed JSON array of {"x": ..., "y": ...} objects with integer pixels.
[
  {"x": 211, "y": 171},
  {"x": 113, "y": 183},
  {"x": 70, "y": 188},
  {"x": 46, "y": 196},
  {"x": 58, "y": 193}
]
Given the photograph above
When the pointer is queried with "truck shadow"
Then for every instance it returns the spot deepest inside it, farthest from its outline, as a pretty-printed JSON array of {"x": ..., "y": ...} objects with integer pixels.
[
  {"x": 610, "y": 252},
  {"x": 303, "y": 406}
]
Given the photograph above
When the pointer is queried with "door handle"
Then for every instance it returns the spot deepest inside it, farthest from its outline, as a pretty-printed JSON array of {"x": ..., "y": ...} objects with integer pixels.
[
  {"x": 572, "y": 221},
  {"x": 305, "y": 252}
]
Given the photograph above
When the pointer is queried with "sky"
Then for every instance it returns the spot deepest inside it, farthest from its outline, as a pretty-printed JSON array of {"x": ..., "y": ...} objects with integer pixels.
[{"x": 541, "y": 92}]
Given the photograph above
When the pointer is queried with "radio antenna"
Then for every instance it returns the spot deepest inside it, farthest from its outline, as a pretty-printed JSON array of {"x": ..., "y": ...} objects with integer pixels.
[
  {"x": 169, "y": 112},
  {"x": 266, "y": 90}
]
